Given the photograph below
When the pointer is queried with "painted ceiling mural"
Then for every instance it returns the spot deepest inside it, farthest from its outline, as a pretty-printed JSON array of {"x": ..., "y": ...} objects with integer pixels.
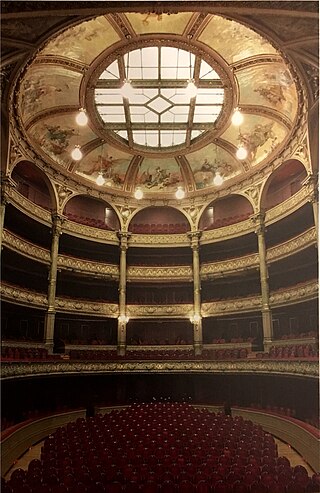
[{"x": 164, "y": 142}]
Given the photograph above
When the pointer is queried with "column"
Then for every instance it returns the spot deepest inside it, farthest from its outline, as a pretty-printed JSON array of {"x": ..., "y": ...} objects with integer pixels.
[
  {"x": 6, "y": 184},
  {"x": 122, "y": 319},
  {"x": 52, "y": 283},
  {"x": 312, "y": 189},
  {"x": 264, "y": 280},
  {"x": 196, "y": 317}
]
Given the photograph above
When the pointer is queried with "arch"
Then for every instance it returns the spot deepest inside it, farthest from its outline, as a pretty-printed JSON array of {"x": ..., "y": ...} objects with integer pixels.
[
  {"x": 225, "y": 211},
  {"x": 283, "y": 183},
  {"x": 34, "y": 184},
  {"x": 91, "y": 212},
  {"x": 159, "y": 220}
]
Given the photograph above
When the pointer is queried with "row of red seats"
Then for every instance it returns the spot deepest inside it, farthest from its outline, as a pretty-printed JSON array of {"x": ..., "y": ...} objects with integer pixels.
[
  {"x": 21, "y": 353},
  {"x": 171, "y": 228},
  {"x": 303, "y": 335},
  {"x": 207, "y": 354},
  {"x": 226, "y": 221},
  {"x": 88, "y": 221},
  {"x": 291, "y": 351},
  {"x": 161, "y": 447}
]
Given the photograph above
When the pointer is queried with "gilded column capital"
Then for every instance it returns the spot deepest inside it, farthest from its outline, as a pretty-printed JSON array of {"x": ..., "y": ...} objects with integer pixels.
[
  {"x": 7, "y": 184},
  {"x": 311, "y": 186},
  {"x": 124, "y": 237},
  {"x": 259, "y": 222},
  {"x": 194, "y": 237}
]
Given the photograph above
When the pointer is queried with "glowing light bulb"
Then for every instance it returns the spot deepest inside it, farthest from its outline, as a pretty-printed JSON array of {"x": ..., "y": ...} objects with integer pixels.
[
  {"x": 138, "y": 194},
  {"x": 241, "y": 152},
  {"x": 237, "y": 117},
  {"x": 127, "y": 90},
  {"x": 82, "y": 118},
  {"x": 100, "y": 180},
  {"x": 218, "y": 180},
  {"x": 180, "y": 193},
  {"x": 191, "y": 89},
  {"x": 76, "y": 154}
]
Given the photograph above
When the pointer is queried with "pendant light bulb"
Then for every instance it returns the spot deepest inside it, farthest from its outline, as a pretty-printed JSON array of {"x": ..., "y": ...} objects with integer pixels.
[
  {"x": 138, "y": 194},
  {"x": 82, "y": 118},
  {"x": 237, "y": 117},
  {"x": 191, "y": 89},
  {"x": 100, "y": 180},
  {"x": 241, "y": 153},
  {"x": 218, "y": 180},
  {"x": 76, "y": 154},
  {"x": 180, "y": 193}
]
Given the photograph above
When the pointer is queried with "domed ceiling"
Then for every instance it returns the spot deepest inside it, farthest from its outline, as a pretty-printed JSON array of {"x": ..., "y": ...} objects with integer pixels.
[{"x": 159, "y": 136}]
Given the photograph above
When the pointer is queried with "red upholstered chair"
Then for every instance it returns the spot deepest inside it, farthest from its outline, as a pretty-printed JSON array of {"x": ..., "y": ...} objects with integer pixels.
[
  {"x": 168, "y": 486},
  {"x": 150, "y": 487},
  {"x": 203, "y": 486},
  {"x": 185, "y": 486},
  {"x": 114, "y": 487}
]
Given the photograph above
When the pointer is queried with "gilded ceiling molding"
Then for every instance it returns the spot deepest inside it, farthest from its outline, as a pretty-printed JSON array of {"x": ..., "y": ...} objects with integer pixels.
[
  {"x": 62, "y": 110},
  {"x": 121, "y": 25},
  {"x": 159, "y": 274},
  {"x": 89, "y": 267},
  {"x": 294, "y": 245},
  {"x": 307, "y": 369},
  {"x": 163, "y": 311},
  {"x": 26, "y": 248},
  {"x": 75, "y": 65}
]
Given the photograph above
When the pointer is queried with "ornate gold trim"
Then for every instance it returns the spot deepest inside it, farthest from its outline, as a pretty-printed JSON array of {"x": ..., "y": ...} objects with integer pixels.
[
  {"x": 88, "y": 266},
  {"x": 308, "y": 369},
  {"x": 163, "y": 311},
  {"x": 160, "y": 274}
]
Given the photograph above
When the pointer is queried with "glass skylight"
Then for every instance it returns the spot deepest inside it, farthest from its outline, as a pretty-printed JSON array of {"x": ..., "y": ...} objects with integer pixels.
[{"x": 159, "y": 114}]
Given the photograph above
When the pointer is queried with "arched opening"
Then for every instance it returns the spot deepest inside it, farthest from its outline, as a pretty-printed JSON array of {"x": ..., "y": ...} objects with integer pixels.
[
  {"x": 283, "y": 183},
  {"x": 91, "y": 212},
  {"x": 226, "y": 211},
  {"x": 32, "y": 184},
  {"x": 159, "y": 220}
]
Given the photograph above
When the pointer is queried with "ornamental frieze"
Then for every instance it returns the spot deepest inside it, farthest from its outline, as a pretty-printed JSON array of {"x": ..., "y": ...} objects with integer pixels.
[
  {"x": 28, "y": 207},
  {"x": 88, "y": 232},
  {"x": 297, "y": 293},
  {"x": 227, "y": 232},
  {"x": 287, "y": 207},
  {"x": 235, "y": 264},
  {"x": 309, "y": 369},
  {"x": 84, "y": 306},
  {"x": 154, "y": 311},
  {"x": 159, "y": 273},
  {"x": 237, "y": 305},
  {"x": 25, "y": 248},
  {"x": 160, "y": 240},
  {"x": 96, "y": 268},
  {"x": 304, "y": 240},
  {"x": 23, "y": 296}
]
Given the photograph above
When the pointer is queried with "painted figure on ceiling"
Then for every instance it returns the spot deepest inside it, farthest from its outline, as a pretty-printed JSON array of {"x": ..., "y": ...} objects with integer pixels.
[{"x": 56, "y": 139}]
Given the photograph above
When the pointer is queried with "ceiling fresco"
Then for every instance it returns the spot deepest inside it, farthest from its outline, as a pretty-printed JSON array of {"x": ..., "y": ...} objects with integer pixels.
[{"x": 160, "y": 139}]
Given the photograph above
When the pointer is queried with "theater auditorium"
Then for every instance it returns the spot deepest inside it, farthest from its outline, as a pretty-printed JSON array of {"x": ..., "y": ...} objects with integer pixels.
[{"x": 159, "y": 247}]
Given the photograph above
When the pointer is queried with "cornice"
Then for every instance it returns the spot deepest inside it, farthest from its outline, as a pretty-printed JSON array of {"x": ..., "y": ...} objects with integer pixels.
[
  {"x": 29, "y": 208},
  {"x": 224, "y": 267},
  {"x": 307, "y": 369},
  {"x": 20, "y": 296},
  {"x": 105, "y": 309}
]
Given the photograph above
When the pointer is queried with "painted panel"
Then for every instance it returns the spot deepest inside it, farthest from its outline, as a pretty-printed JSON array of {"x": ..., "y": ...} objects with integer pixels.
[
  {"x": 260, "y": 136},
  {"x": 83, "y": 42},
  {"x": 209, "y": 160},
  {"x": 57, "y": 136},
  {"x": 46, "y": 87},
  {"x": 269, "y": 85},
  {"x": 233, "y": 41},
  {"x": 111, "y": 162},
  {"x": 156, "y": 176},
  {"x": 159, "y": 23}
]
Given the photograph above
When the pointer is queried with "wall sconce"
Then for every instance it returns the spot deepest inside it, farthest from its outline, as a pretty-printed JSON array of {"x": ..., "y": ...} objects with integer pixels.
[{"x": 123, "y": 319}]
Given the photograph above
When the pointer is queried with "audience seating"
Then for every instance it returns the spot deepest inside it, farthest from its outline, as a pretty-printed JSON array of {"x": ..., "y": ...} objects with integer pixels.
[
  {"x": 290, "y": 351},
  {"x": 161, "y": 447},
  {"x": 88, "y": 221},
  {"x": 9, "y": 353}
]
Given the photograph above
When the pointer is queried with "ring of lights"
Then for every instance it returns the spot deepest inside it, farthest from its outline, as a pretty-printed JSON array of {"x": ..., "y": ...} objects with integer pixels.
[{"x": 213, "y": 59}]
